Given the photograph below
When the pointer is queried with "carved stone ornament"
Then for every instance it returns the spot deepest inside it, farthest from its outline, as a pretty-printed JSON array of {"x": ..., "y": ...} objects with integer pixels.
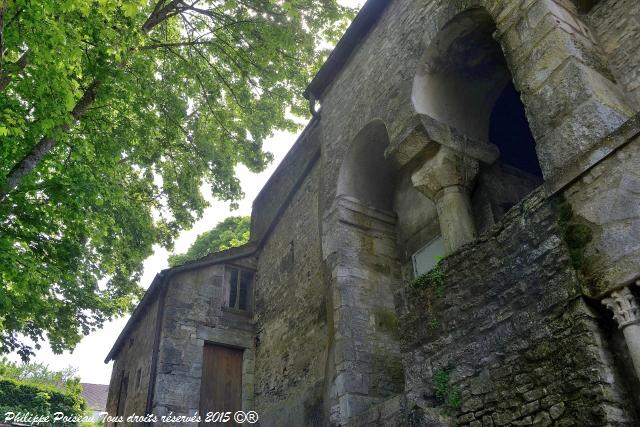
[{"x": 624, "y": 306}]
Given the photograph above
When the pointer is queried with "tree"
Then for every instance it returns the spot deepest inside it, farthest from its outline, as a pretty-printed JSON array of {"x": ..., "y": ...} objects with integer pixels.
[
  {"x": 39, "y": 373},
  {"x": 113, "y": 115},
  {"x": 230, "y": 233}
]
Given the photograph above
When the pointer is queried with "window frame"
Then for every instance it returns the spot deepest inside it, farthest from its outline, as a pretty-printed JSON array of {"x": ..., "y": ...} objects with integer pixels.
[
  {"x": 430, "y": 243},
  {"x": 227, "y": 306}
]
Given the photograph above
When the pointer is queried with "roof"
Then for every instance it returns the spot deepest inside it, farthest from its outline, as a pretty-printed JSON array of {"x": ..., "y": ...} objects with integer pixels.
[
  {"x": 268, "y": 205},
  {"x": 362, "y": 23},
  {"x": 95, "y": 395}
]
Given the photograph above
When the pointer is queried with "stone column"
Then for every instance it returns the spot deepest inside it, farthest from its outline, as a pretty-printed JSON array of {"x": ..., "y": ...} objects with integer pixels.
[
  {"x": 627, "y": 314},
  {"x": 447, "y": 179}
]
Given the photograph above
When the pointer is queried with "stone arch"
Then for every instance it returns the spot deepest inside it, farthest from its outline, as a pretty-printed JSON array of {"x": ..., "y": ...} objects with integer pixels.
[
  {"x": 478, "y": 154},
  {"x": 463, "y": 81},
  {"x": 461, "y": 72},
  {"x": 365, "y": 174},
  {"x": 550, "y": 48}
]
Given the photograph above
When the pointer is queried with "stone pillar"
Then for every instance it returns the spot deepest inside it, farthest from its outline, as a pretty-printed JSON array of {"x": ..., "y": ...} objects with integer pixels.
[
  {"x": 627, "y": 314},
  {"x": 447, "y": 179}
]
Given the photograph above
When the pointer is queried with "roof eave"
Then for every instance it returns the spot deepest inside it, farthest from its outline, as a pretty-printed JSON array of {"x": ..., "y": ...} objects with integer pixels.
[{"x": 362, "y": 23}]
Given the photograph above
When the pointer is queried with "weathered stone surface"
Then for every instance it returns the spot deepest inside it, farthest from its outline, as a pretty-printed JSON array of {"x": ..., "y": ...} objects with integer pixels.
[
  {"x": 291, "y": 316},
  {"x": 134, "y": 359},
  {"x": 537, "y": 342},
  {"x": 615, "y": 22},
  {"x": 508, "y": 330}
]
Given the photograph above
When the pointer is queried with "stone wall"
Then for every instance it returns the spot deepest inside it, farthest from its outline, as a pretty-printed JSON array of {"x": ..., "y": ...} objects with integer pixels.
[
  {"x": 617, "y": 26},
  {"x": 291, "y": 316},
  {"x": 365, "y": 274},
  {"x": 506, "y": 338},
  {"x": 605, "y": 203},
  {"x": 194, "y": 313},
  {"x": 134, "y": 361},
  {"x": 274, "y": 196}
]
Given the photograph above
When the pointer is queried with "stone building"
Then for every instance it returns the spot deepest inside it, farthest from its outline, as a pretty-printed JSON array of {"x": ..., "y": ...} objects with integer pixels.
[{"x": 501, "y": 135}]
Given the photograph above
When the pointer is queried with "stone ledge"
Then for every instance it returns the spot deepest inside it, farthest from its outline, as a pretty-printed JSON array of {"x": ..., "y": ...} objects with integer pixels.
[{"x": 424, "y": 133}]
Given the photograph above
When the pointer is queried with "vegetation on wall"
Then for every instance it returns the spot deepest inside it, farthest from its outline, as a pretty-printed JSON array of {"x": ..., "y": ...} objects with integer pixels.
[
  {"x": 577, "y": 234},
  {"x": 448, "y": 395},
  {"x": 230, "y": 233},
  {"x": 114, "y": 114},
  {"x": 429, "y": 286},
  {"x": 433, "y": 278}
]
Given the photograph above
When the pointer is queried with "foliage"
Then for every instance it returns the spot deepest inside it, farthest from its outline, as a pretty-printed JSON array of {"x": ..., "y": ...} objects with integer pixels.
[
  {"x": 113, "y": 115},
  {"x": 577, "y": 235},
  {"x": 34, "y": 388},
  {"x": 230, "y": 233},
  {"x": 39, "y": 373},
  {"x": 447, "y": 394},
  {"x": 37, "y": 399},
  {"x": 433, "y": 278}
]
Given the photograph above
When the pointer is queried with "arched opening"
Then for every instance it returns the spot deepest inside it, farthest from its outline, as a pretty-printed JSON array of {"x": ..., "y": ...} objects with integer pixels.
[
  {"x": 509, "y": 130},
  {"x": 365, "y": 174},
  {"x": 464, "y": 82}
]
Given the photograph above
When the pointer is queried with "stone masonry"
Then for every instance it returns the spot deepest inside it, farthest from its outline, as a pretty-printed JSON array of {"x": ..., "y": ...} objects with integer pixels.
[{"x": 501, "y": 138}]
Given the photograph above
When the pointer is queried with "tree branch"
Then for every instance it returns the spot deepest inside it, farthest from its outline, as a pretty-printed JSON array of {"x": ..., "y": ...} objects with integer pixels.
[
  {"x": 163, "y": 10},
  {"x": 37, "y": 153},
  {"x": 160, "y": 13},
  {"x": 3, "y": 12},
  {"x": 20, "y": 64}
]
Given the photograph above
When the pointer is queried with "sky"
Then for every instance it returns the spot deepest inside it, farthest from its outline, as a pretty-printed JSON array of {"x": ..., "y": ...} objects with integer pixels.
[{"x": 89, "y": 354}]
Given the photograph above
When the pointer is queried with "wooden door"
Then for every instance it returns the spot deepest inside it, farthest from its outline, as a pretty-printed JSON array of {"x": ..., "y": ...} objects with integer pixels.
[{"x": 221, "y": 384}]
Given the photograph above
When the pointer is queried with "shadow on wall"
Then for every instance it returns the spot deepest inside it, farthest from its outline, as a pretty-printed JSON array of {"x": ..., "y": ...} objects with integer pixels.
[{"x": 365, "y": 174}]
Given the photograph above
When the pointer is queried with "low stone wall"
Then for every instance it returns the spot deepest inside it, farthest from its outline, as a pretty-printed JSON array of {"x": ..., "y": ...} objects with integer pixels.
[{"x": 501, "y": 336}]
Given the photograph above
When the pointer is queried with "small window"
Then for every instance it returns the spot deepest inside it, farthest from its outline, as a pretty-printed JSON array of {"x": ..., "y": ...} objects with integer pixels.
[
  {"x": 240, "y": 282},
  {"x": 138, "y": 375},
  {"x": 427, "y": 257}
]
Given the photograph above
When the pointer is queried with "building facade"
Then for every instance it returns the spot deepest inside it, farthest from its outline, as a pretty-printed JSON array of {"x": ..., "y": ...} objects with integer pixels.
[{"x": 454, "y": 238}]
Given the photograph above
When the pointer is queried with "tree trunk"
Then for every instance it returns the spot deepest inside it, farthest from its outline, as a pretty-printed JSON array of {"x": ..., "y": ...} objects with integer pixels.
[{"x": 37, "y": 153}]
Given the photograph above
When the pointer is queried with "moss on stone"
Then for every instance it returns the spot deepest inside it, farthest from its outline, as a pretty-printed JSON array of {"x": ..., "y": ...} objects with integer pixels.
[
  {"x": 577, "y": 233},
  {"x": 387, "y": 374},
  {"x": 577, "y": 236},
  {"x": 386, "y": 320}
]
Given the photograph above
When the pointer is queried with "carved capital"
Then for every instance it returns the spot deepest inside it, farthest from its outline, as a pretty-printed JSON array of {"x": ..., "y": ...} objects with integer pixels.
[
  {"x": 624, "y": 306},
  {"x": 447, "y": 168}
]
